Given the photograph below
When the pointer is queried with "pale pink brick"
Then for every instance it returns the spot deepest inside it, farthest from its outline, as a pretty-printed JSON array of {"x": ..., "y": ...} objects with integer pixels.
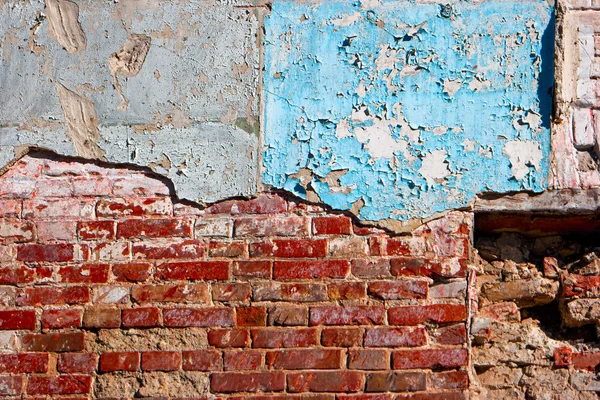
[
  {"x": 16, "y": 188},
  {"x": 112, "y": 251},
  {"x": 10, "y": 208},
  {"x": 354, "y": 246},
  {"x": 92, "y": 186},
  {"x": 54, "y": 187},
  {"x": 56, "y": 168},
  {"x": 217, "y": 227},
  {"x": 49, "y": 231},
  {"x": 138, "y": 185},
  {"x": 110, "y": 295},
  {"x": 59, "y": 208}
]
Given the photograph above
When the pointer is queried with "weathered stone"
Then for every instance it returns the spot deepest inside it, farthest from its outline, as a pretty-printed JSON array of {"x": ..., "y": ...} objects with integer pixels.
[
  {"x": 526, "y": 293},
  {"x": 580, "y": 312}
]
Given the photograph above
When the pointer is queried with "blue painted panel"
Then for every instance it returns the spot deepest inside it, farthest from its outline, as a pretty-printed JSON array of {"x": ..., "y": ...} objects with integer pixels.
[{"x": 407, "y": 109}]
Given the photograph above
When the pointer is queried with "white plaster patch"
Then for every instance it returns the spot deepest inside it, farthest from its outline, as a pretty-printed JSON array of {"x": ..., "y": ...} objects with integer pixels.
[
  {"x": 451, "y": 86},
  {"x": 346, "y": 20},
  {"x": 434, "y": 167},
  {"x": 523, "y": 154}
]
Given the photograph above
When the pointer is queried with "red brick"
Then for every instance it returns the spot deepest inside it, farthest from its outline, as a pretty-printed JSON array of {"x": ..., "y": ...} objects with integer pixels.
[
  {"x": 202, "y": 360},
  {"x": 395, "y": 337},
  {"x": 506, "y": 311},
  {"x": 453, "y": 334},
  {"x": 371, "y": 268},
  {"x": 330, "y": 381},
  {"x": 62, "y": 384},
  {"x": 22, "y": 274},
  {"x": 293, "y": 248},
  {"x": 192, "y": 293},
  {"x": 263, "y": 204},
  {"x": 161, "y": 360},
  {"x": 16, "y": 231},
  {"x": 226, "y": 249},
  {"x": 284, "y": 337},
  {"x": 45, "y": 252},
  {"x": 296, "y": 292},
  {"x": 310, "y": 269},
  {"x": 252, "y": 269},
  {"x": 439, "y": 313},
  {"x": 304, "y": 359},
  {"x": 563, "y": 357},
  {"x": 33, "y": 296},
  {"x": 229, "y": 337},
  {"x": 143, "y": 317},
  {"x": 77, "y": 362},
  {"x": 11, "y": 385},
  {"x": 200, "y": 270},
  {"x": 230, "y": 382},
  {"x": 158, "y": 228},
  {"x": 284, "y": 315},
  {"x": 338, "y": 225},
  {"x": 261, "y": 249},
  {"x": 245, "y": 360},
  {"x": 342, "y": 337},
  {"x": 347, "y": 315},
  {"x": 24, "y": 363},
  {"x": 111, "y": 251},
  {"x": 10, "y": 208},
  {"x": 396, "y": 382},
  {"x": 396, "y": 290},
  {"x": 53, "y": 342},
  {"x": 272, "y": 226},
  {"x": 447, "y": 268},
  {"x": 429, "y": 358},
  {"x": 160, "y": 251},
  {"x": 182, "y": 317},
  {"x": 376, "y": 246},
  {"x": 119, "y": 361},
  {"x": 60, "y": 319},
  {"x": 231, "y": 291},
  {"x": 17, "y": 319},
  {"x": 365, "y": 397},
  {"x": 251, "y": 316},
  {"x": 348, "y": 247},
  {"x": 582, "y": 286},
  {"x": 405, "y": 246},
  {"x": 101, "y": 317},
  {"x": 132, "y": 272},
  {"x": 96, "y": 230},
  {"x": 445, "y": 395},
  {"x": 86, "y": 273},
  {"x": 347, "y": 290},
  {"x": 370, "y": 359},
  {"x": 449, "y": 380},
  {"x": 586, "y": 360},
  {"x": 134, "y": 207}
]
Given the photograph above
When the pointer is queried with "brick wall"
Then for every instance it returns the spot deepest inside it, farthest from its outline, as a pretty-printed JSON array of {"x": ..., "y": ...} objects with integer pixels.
[{"x": 110, "y": 289}]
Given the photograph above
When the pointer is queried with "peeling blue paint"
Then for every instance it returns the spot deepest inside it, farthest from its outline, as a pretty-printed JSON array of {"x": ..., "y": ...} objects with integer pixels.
[{"x": 404, "y": 109}]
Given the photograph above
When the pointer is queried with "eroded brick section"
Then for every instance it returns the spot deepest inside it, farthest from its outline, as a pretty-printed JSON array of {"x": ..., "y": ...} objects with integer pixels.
[{"x": 259, "y": 299}]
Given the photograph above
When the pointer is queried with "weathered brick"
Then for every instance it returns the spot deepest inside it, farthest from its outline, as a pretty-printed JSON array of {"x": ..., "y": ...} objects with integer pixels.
[
  {"x": 231, "y": 291},
  {"x": 110, "y": 294},
  {"x": 282, "y": 315},
  {"x": 182, "y": 317},
  {"x": 160, "y": 250},
  {"x": 10, "y": 208},
  {"x": 161, "y": 360},
  {"x": 80, "y": 208},
  {"x": 294, "y": 248},
  {"x": 272, "y": 226},
  {"x": 154, "y": 228},
  {"x": 310, "y": 269},
  {"x": 22, "y": 274},
  {"x": 263, "y": 204},
  {"x": 52, "y": 231},
  {"x": 296, "y": 292},
  {"x": 43, "y": 295},
  {"x": 230, "y": 382},
  {"x": 143, "y": 317},
  {"x": 325, "y": 381},
  {"x": 59, "y": 252},
  {"x": 395, "y": 337},
  {"x": 244, "y": 360},
  {"x": 77, "y": 362},
  {"x": 226, "y": 249},
  {"x": 251, "y": 316},
  {"x": 439, "y": 313},
  {"x": 111, "y": 251},
  {"x": 61, "y": 384},
  {"x": 119, "y": 361},
  {"x": 446, "y": 268},
  {"x": 131, "y": 272},
  {"x": 451, "y": 290},
  {"x": 86, "y": 273},
  {"x": 202, "y": 360},
  {"x": 192, "y": 293},
  {"x": 214, "y": 227},
  {"x": 229, "y": 337},
  {"x": 396, "y": 382},
  {"x": 347, "y": 290},
  {"x": 448, "y": 380},
  {"x": 284, "y": 337},
  {"x": 429, "y": 358},
  {"x": 138, "y": 185},
  {"x": 453, "y": 334},
  {"x": 348, "y": 247},
  {"x": 11, "y": 385},
  {"x": 395, "y": 290},
  {"x": 53, "y": 342},
  {"x": 347, "y": 315},
  {"x": 252, "y": 269},
  {"x": 8, "y": 296},
  {"x": 304, "y": 359},
  {"x": 379, "y": 268},
  {"x": 582, "y": 286},
  {"x": 88, "y": 186},
  {"x": 586, "y": 360},
  {"x": 368, "y": 359},
  {"x": 24, "y": 363},
  {"x": 97, "y": 230},
  {"x": 332, "y": 225},
  {"x": 134, "y": 207},
  {"x": 61, "y": 319},
  {"x": 17, "y": 319},
  {"x": 199, "y": 270},
  {"x": 102, "y": 317},
  {"x": 563, "y": 357},
  {"x": 342, "y": 337},
  {"x": 16, "y": 231}
]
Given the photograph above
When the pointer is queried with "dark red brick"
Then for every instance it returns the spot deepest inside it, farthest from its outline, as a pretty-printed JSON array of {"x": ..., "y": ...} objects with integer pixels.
[
  {"x": 231, "y": 292},
  {"x": 24, "y": 363},
  {"x": 182, "y": 317},
  {"x": 231, "y": 382},
  {"x": 396, "y": 382},
  {"x": 62, "y": 384},
  {"x": 453, "y": 334},
  {"x": 395, "y": 337},
  {"x": 53, "y": 342},
  {"x": 338, "y": 225},
  {"x": 143, "y": 317},
  {"x": 60, "y": 252},
  {"x": 310, "y": 269},
  {"x": 342, "y": 337},
  {"x": 44, "y": 295},
  {"x": 347, "y": 315},
  {"x": 132, "y": 272},
  {"x": 326, "y": 381},
  {"x": 17, "y": 319},
  {"x": 252, "y": 269},
  {"x": 192, "y": 293},
  {"x": 77, "y": 362},
  {"x": 134, "y": 207},
  {"x": 157, "y": 228},
  {"x": 102, "y": 317},
  {"x": 396, "y": 290},
  {"x": 347, "y": 290},
  {"x": 263, "y": 204},
  {"x": 244, "y": 360},
  {"x": 284, "y": 337},
  {"x": 429, "y": 358},
  {"x": 229, "y": 338},
  {"x": 439, "y": 313},
  {"x": 200, "y": 270},
  {"x": 86, "y": 273},
  {"x": 563, "y": 357},
  {"x": 368, "y": 359},
  {"x": 251, "y": 316},
  {"x": 304, "y": 359},
  {"x": 226, "y": 249},
  {"x": 161, "y": 360},
  {"x": 370, "y": 268},
  {"x": 96, "y": 230},
  {"x": 61, "y": 319},
  {"x": 202, "y": 360},
  {"x": 120, "y": 361},
  {"x": 162, "y": 251}
]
